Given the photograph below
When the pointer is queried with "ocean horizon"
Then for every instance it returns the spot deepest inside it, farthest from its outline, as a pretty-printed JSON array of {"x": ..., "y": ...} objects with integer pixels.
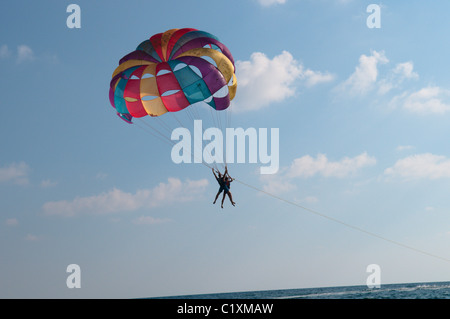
[{"x": 419, "y": 290}]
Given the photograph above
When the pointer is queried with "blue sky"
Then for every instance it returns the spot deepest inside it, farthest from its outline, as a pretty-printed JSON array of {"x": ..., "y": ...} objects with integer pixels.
[{"x": 363, "y": 116}]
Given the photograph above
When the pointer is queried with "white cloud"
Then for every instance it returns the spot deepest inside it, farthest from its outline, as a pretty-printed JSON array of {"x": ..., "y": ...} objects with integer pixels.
[
  {"x": 24, "y": 54},
  {"x": 365, "y": 76},
  {"x": 148, "y": 220},
  {"x": 48, "y": 183},
  {"x": 117, "y": 200},
  {"x": 16, "y": 173},
  {"x": 420, "y": 166},
  {"x": 401, "y": 72},
  {"x": 276, "y": 183},
  {"x": 402, "y": 148},
  {"x": 308, "y": 166},
  {"x": 405, "y": 71},
  {"x": 427, "y": 100},
  {"x": 31, "y": 237},
  {"x": 12, "y": 222},
  {"x": 101, "y": 176},
  {"x": 4, "y": 52},
  {"x": 263, "y": 81},
  {"x": 316, "y": 77},
  {"x": 268, "y": 3}
]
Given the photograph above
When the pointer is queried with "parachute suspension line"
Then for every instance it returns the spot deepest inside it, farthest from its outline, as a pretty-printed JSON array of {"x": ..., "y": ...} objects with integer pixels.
[
  {"x": 212, "y": 116},
  {"x": 172, "y": 114},
  {"x": 160, "y": 135},
  {"x": 224, "y": 131},
  {"x": 344, "y": 223},
  {"x": 215, "y": 123},
  {"x": 219, "y": 123},
  {"x": 163, "y": 124},
  {"x": 164, "y": 138},
  {"x": 229, "y": 114},
  {"x": 189, "y": 113},
  {"x": 194, "y": 109},
  {"x": 193, "y": 115},
  {"x": 163, "y": 133},
  {"x": 221, "y": 127},
  {"x": 228, "y": 125}
]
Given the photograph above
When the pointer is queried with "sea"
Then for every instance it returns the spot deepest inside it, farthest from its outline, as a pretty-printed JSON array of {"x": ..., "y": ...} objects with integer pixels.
[
  {"x": 426, "y": 290},
  {"x": 408, "y": 299}
]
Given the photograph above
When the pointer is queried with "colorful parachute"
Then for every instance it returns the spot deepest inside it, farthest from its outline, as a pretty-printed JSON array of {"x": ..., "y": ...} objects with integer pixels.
[{"x": 171, "y": 71}]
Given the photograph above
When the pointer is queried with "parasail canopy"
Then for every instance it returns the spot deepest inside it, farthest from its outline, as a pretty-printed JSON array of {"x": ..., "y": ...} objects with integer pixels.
[{"x": 171, "y": 71}]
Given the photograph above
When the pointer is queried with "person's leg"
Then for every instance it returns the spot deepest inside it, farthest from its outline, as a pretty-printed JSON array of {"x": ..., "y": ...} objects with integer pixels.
[
  {"x": 218, "y": 193},
  {"x": 223, "y": 198},
  {"x": 231, "y": 198}
]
